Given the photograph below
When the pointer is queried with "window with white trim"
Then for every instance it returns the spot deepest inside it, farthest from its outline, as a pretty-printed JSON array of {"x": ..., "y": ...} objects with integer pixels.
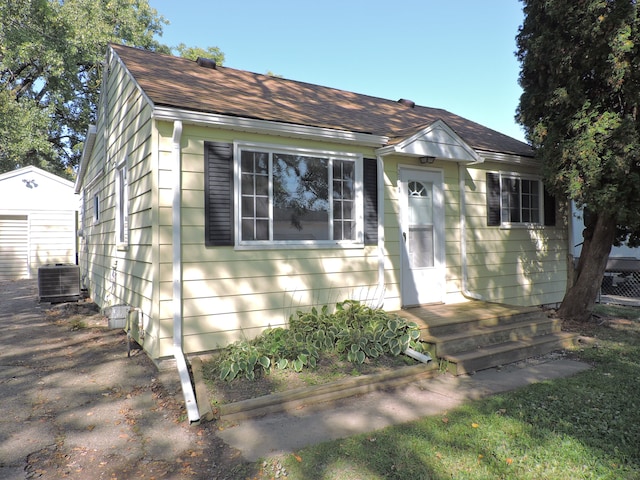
[
  {"x": 514, "y": 199},
  {"x": 521, "y": 200},
  {"x": 294, "y": 196},
  {"x": 122, "y": 205}
]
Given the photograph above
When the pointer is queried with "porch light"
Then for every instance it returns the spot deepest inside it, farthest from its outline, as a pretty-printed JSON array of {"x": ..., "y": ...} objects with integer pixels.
[{"x": 425, "y": 160}]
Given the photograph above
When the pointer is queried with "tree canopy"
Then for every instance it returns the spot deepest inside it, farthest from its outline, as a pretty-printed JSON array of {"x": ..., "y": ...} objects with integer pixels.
[
  {"x": 580, "y": 74},
  {"x": 50, "y": 75}
]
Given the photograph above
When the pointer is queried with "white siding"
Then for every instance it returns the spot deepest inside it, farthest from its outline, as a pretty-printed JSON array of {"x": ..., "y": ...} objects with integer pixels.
[
  {"x": 38, "y": 226},
  {"x": 52, "y": 239},
  {"x": 14, "y": 237}
]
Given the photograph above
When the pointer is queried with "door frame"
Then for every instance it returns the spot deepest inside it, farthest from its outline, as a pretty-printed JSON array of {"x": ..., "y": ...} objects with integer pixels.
[{"x": 439, "y": 269}]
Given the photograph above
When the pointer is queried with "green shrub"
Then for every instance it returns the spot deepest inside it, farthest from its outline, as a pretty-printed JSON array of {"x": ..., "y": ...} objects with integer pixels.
[{"x": 353, "y": 330}]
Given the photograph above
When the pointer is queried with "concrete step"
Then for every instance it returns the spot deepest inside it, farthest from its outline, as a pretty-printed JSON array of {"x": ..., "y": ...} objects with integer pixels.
[
  {"x": 477, "y": 337},
  {"x": 507, "y": 352}
]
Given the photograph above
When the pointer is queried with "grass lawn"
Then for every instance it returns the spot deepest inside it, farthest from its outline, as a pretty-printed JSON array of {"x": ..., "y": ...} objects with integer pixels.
[{"x": 584, "y": 427}]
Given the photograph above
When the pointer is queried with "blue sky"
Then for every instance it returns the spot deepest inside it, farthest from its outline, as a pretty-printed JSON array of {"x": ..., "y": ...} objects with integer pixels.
[{"x": 456, "y": 55}]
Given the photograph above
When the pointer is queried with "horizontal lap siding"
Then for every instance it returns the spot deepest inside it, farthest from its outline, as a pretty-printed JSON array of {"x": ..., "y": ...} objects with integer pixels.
[
  {"x": 14, "y": 247},
  {"x": 122, "y": 276},
  {"x": 231, "y": 294},
  {"x": 52, "y": 238},
  {"x": 517, "y": 265}
]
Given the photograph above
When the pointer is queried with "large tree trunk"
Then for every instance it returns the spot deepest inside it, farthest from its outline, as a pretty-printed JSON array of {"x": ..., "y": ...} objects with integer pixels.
[{"x": 580, "y": 299}]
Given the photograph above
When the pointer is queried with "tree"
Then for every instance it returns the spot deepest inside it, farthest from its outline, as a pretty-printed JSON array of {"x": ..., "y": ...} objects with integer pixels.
[
  {"x": 580, "y": 74},
  {"x": 193, "y": 53},
  {"x": 50, "y": 54}
]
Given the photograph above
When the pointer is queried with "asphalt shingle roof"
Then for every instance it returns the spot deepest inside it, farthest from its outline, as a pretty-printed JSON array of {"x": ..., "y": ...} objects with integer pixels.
[{"x": 181, "y": 83}]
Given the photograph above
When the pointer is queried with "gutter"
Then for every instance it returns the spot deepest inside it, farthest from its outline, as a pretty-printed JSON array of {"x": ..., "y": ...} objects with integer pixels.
[
  {"x": 178, "y": 352},
  {"x": 464, "y": 287},
  {"x": 267, "y": 127}
]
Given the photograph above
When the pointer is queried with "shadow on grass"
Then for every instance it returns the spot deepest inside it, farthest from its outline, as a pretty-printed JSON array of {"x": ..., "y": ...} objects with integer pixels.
[{"x": 587, "y": 426}]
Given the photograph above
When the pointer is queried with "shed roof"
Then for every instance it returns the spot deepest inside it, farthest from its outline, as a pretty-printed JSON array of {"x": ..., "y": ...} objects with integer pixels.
[{"x": 182, "y": 83}]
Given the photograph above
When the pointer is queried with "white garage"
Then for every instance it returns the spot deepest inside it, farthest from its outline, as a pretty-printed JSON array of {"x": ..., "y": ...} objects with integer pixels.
[{"x": 38, "y": 212}]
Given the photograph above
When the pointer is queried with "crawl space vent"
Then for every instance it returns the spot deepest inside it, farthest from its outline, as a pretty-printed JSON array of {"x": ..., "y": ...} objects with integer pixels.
[{"x": 59, "y": 283}]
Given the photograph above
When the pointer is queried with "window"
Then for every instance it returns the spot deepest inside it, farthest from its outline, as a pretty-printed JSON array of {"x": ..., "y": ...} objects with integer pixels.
[
  {"x": 297, "y": 197},
  {"x": 514, "y": 199},
  {"x": 259, "y": 195},
  {"x": 96, "y": 208},
  {"x": 520, "y": 200},
  {"x": 122, "y": 208}
]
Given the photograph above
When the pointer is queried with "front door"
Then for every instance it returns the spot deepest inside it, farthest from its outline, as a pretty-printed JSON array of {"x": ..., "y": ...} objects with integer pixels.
[{"x": 422, "y": 236}]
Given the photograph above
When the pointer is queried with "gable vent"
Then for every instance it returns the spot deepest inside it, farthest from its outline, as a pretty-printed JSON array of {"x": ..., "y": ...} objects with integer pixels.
[
  {"x": 206, "y": 62},
  {"x": 407, "y": 103}
]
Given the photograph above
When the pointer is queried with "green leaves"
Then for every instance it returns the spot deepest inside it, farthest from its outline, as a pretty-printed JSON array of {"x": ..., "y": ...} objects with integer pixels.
[
  {"x": 581, "y": 99},
  {"x": 50, "y": 72},
  {"x": 354, "y": 330},
  {"x": 580, "y": 109},
  {"x": 50, "y": 63}
]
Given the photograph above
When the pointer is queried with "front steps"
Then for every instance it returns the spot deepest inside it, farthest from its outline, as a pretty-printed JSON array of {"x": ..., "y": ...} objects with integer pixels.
[{"x": 476, "y": 335}]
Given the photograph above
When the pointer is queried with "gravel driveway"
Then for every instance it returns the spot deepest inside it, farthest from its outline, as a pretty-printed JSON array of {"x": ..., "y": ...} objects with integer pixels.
[{"x": 73, "y": 405}]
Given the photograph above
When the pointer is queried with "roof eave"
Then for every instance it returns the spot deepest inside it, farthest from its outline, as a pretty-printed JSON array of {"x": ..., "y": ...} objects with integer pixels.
[
  {"x": 89, "y": 143},
  {"x": 509, "y": 158},
  {"x": 268, "y": 127}
]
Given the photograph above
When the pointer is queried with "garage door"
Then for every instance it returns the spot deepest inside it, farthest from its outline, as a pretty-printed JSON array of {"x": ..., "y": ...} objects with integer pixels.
[{"x": 14, "y": 247}]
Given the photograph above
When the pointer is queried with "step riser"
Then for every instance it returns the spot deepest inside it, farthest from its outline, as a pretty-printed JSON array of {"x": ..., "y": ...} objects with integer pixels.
[
  {"x": 493, "y": 337},
  {"x": 518, "y": 353},
  {"x": 452, "y": 328}
]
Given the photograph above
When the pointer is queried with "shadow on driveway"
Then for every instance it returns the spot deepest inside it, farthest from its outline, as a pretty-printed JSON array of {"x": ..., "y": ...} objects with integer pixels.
[{"x": 75, "y": 406}]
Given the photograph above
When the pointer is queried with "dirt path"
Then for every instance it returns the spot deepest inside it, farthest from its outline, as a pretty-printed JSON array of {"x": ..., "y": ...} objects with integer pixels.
[{"x": 74, "y": 406}]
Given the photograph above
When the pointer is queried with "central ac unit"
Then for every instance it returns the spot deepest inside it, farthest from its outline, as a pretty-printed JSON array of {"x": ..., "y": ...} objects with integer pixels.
[{"x": 59, "y": 283}]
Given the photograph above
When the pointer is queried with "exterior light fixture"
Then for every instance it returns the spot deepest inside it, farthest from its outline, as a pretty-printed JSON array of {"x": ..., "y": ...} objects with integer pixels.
[{"x": 425, "y": 160}]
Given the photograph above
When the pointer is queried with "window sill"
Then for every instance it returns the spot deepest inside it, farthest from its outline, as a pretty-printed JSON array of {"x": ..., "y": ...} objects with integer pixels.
[
  {"x": 522, "y": 226},
  {"x": 302, "y": 246},
  {"x": 122, "y": 247}
]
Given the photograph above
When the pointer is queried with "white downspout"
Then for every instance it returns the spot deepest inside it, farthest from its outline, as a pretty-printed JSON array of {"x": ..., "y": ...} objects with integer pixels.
[
  {"x": 462, "y": 171},
  {"x": 178, "y": 353},
  {"x": 381, "y": 257}
]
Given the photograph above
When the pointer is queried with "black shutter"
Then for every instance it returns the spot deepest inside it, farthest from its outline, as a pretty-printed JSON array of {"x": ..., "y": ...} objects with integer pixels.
[
  {"x": 218, "y": 194},
  {"x": 549, "y": 209},
  {"x": 493, "y": 199},
  {"x": 370, "y": 191}
]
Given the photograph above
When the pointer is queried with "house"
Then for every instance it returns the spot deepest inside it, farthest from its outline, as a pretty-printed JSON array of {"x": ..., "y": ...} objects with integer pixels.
[
  {"x": 38, "y": 213},
  {"x": 217, "y": 202}
]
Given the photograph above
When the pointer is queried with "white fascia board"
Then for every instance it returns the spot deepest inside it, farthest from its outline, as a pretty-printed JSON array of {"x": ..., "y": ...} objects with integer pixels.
[
  {"x": 267, "y": 127},
  {"x": 509, "y": 158},
  {"x": 89, "y": 143},
  {"x": 33, "y": 170},
  {"x": 437, "y": 140}
]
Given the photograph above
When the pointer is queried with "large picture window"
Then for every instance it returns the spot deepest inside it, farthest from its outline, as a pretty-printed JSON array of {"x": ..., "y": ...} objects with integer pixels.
[
  {"x": 258, "y": 195},
  {"x": 290, "y": 196}
]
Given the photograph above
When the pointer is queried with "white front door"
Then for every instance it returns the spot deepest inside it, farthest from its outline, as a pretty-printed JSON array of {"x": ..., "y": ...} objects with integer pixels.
[{"x": 422, "y": 236}]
